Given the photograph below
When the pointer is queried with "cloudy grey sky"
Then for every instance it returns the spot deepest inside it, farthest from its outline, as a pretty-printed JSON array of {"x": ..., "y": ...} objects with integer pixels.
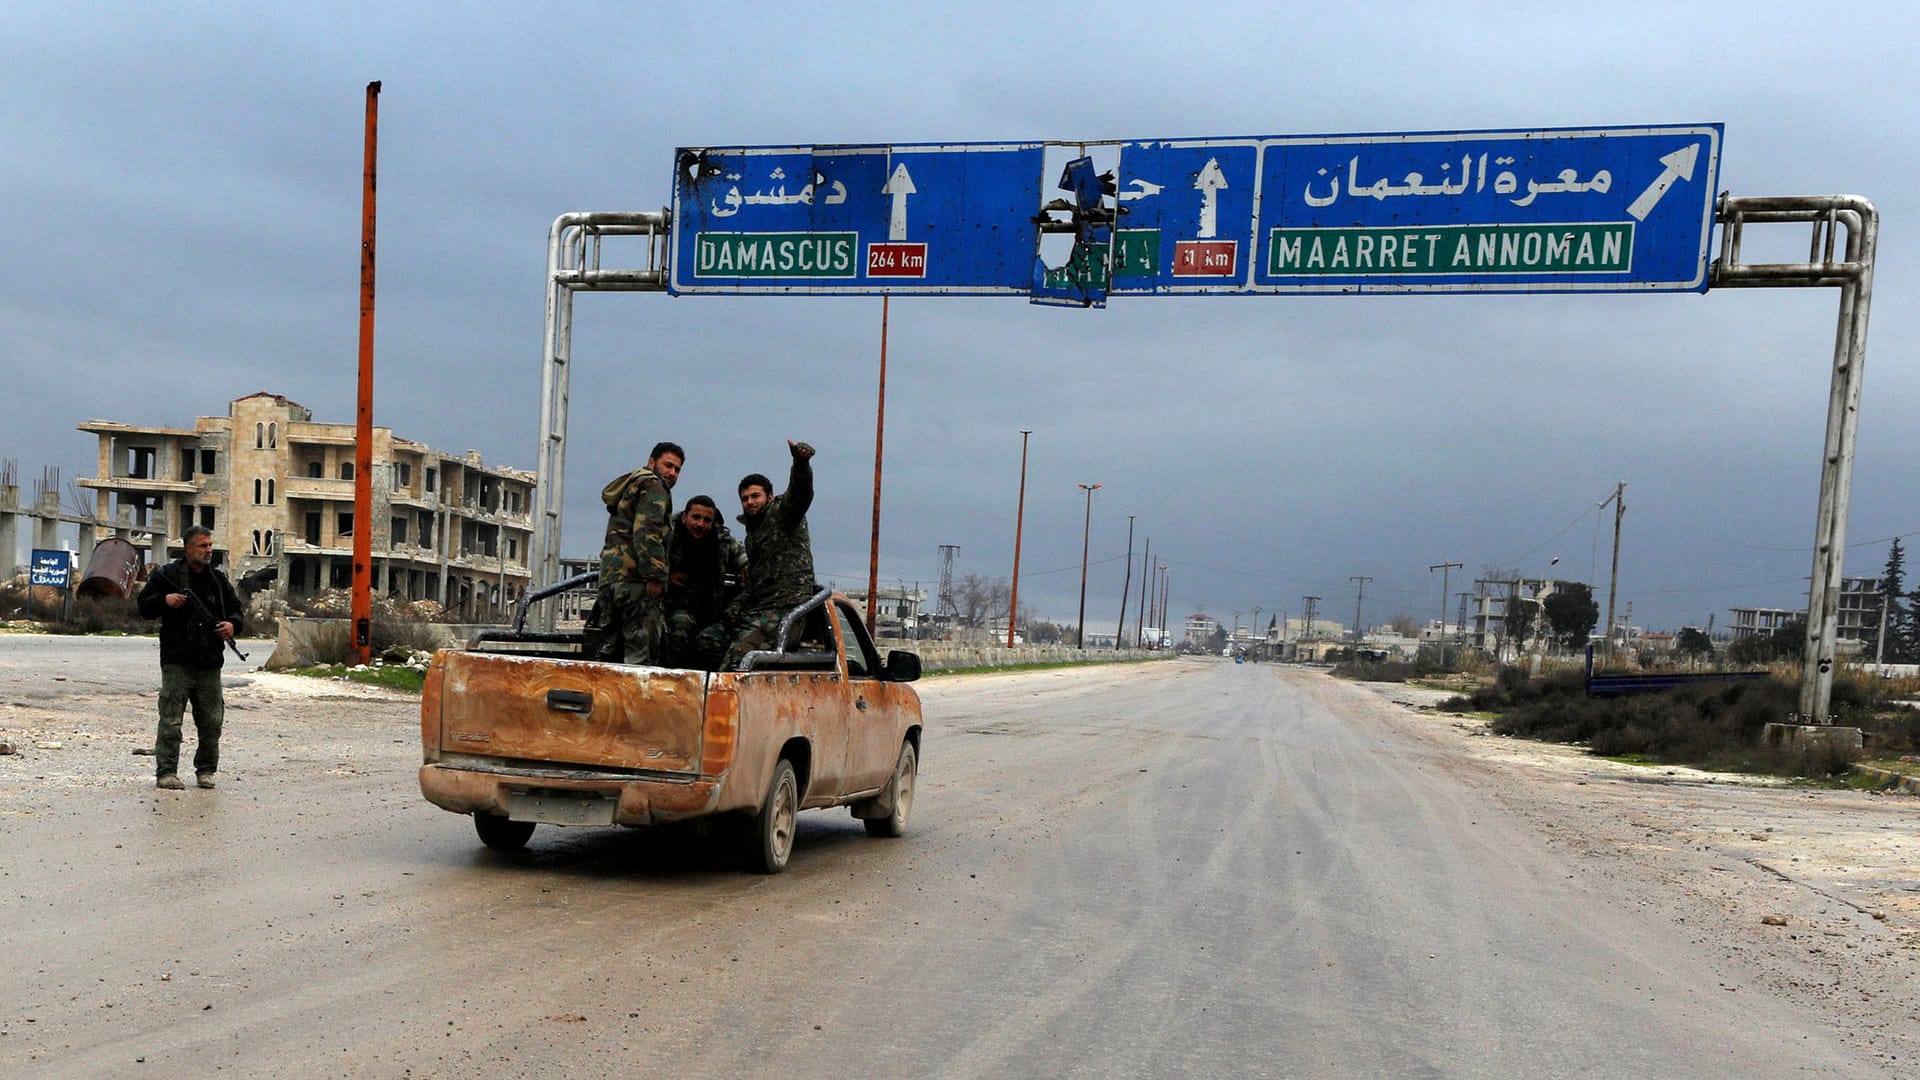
[{"x": 181, "y": 195}]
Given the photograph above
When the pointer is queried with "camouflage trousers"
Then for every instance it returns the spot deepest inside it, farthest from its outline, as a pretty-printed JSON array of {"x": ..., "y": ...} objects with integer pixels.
[
  {"x": 692, "y": 645},
  {"x": 625, "y": 626},
  {"x": 756, "y": 630},
  {"x": 179, "y": 685}
]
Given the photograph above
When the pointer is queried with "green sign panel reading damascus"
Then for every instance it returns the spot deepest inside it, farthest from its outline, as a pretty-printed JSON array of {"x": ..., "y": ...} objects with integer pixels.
[
  {"x": 777, "y": 255},
  {"x": 1602, "y": 248}
]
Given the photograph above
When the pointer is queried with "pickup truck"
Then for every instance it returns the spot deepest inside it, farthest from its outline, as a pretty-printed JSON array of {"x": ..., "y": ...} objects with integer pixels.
[{"x": 518, "y": 731}]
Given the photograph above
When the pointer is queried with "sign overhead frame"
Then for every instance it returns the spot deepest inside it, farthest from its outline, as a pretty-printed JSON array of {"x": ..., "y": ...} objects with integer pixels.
[{"x": 574, "y": 265}]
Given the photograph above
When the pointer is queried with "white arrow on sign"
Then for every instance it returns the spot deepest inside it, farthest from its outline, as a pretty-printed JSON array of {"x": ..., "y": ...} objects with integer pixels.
[
  {"x": 1209, "y": 184},
  {"x": 1679, "y": 167},
  {"x": 899, "y": 185}
]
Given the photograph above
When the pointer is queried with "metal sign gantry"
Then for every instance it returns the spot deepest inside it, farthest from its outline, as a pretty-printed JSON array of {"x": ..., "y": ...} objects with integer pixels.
[
  {"x": 1549, "y": 210},
  {"x": 1602, "y": 209}
]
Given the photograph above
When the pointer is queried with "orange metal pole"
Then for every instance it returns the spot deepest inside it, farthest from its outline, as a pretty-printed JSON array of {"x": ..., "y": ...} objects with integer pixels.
[
  {"x": 363, "y": 431},
  {"x": 879, "y": 440}
]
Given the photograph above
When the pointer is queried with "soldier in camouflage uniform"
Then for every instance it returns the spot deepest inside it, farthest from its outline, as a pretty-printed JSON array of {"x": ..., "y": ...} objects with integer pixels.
[
  {"x": 628, "y": 621},
  {"x": 706, "y": 570},
  {"x": 779, "y": 554}
]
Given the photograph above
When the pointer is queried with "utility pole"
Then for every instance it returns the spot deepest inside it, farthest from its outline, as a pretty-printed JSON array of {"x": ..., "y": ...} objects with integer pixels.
[
  {"x": 1445, "y": 569},
  {"x": 1880, "y": 639},
  {"x": 1126, "y": 590},
  {"x": 1019, "y": 520},
  {"x": 1140, "y": 616},
  {"x": 1086, "y": 533},
  {"x": 1362, "y": 579},
  {"x": 1307, "y": 632},
  {"x": 1619, "y": 511},
  {"x": 1166, "y": 583}
]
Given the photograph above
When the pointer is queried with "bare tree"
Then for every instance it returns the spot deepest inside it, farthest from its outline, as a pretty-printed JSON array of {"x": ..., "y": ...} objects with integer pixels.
[{"x": 973, "y": 600}]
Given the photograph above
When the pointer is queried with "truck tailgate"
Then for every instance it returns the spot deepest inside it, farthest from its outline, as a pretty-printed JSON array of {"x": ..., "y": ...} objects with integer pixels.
[{"x": 572, "y": 711}]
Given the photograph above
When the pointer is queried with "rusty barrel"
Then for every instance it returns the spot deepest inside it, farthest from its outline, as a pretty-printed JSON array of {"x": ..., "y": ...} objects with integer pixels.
[{"x": 112, "y": 569}]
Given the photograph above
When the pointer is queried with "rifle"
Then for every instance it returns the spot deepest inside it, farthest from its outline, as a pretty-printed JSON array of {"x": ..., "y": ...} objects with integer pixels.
[{"x": 206, "y": 616}]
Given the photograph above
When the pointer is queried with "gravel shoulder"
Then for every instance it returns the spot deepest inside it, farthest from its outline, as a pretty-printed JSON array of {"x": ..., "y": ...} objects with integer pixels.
[{"x": 1812, "y": 892}]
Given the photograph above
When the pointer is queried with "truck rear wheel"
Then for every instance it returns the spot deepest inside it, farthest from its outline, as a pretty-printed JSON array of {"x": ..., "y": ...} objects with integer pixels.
[
  {"x": 770, "y": 837},
  {"x": 502, "y": 833},
  {"x": 900, "y": 790}
]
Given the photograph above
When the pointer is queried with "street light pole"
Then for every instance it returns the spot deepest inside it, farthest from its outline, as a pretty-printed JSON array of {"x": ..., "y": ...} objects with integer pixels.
[
  {"x": 1019, "y": 520},
  {"x": 1126, "y": 589},
  {"x": 1086, "y": 533}
]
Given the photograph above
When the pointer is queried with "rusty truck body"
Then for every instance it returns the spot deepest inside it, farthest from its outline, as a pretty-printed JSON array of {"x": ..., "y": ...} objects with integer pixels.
[{"x": 516, "y": 737}]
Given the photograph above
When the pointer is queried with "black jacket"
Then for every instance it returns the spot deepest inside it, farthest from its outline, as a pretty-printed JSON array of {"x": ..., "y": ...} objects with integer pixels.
[{"x": 186, "y": 632}]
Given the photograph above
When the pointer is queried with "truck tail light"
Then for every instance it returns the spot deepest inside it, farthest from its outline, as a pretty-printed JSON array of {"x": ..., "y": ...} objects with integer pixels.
[
  {"x": 718, "y": 734},
  {"x": 430, "y": 710}
]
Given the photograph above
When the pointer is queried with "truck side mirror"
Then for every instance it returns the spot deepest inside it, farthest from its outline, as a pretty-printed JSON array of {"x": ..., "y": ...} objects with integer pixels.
[{"x": 902, "y": 666}]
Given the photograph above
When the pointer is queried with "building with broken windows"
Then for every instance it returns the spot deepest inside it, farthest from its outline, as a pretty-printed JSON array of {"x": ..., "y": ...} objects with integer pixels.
[{"x": 276, "y": 489}]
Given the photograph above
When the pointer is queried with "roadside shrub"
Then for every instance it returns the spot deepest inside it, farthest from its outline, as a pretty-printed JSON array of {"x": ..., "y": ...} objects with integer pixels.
[
  {"x": 1380, "y": 670},
  {"x": 102, "y": 615},
  {"x": 1710, "y": 725}
]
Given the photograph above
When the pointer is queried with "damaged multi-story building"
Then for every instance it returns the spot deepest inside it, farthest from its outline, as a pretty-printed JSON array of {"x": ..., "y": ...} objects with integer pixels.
[{"x": 276, "y": 488}]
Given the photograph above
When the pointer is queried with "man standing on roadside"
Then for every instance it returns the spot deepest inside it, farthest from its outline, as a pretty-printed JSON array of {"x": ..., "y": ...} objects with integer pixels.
[
  {"x": 199, "y": 613},
  {"x": 628, "y": 622},
  {"x": 779, "y": 554}
]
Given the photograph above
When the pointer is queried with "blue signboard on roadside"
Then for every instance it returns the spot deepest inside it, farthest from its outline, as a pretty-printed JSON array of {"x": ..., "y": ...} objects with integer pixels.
[
  {"x": 913, "y": 218},
  {"x": 51, "y": 569},
  {"x": 1608, "y": 209}
]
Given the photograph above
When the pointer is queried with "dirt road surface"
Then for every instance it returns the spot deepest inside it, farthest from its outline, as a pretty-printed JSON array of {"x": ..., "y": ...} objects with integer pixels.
[{"x": 1180, "y": 868}]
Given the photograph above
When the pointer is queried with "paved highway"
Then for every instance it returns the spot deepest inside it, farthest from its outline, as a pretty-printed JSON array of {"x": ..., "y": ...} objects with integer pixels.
[{"x": 1177, "y": 869}]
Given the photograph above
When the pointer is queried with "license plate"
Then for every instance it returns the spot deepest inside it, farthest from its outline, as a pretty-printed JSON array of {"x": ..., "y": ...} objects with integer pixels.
[{"x": 561, "y": 810}]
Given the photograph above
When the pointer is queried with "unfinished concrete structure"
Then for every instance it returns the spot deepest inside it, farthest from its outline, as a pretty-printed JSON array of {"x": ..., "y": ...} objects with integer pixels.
[{"x": 276, "y": 489}]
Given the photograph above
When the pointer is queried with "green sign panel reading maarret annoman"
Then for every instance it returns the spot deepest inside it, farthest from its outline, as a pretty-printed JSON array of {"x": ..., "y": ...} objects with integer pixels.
[
  {"x": 777, "y": 255},
  {"x": 1601, "y": 248}
]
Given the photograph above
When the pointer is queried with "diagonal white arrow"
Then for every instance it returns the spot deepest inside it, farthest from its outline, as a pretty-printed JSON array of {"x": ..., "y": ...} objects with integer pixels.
[
  {"x": 899, "y": 185},
  {"x": 1209, "y": 184},
  {"x": 1679, "y": 167}
]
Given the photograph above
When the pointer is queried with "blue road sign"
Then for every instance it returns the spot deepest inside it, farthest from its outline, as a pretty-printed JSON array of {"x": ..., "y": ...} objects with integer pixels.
[
  {"x": 1570, "y": 210},
  {"x": 1552, "y": 210},
  {"x": 913, "y": 218},
  {"x": 50, "y": 568},
  {"x": 1186, "y": 216}
]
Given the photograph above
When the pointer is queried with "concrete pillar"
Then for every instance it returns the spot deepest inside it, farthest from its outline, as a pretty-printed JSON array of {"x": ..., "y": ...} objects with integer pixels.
[
  {"x": 46, "y": 524},
  {"x": 9, "y": 529},
  {"x": 157, "y": 551}
]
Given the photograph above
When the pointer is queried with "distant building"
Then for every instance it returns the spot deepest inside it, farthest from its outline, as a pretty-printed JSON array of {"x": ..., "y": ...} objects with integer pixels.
[
  {"x": 1761, "y": 621},
  {"x": 276, "y": 488},
  {"x": 896, "y": 611},
  {"x": 1861, "y": 606},
  {"x": 1200, "y": 629}
]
